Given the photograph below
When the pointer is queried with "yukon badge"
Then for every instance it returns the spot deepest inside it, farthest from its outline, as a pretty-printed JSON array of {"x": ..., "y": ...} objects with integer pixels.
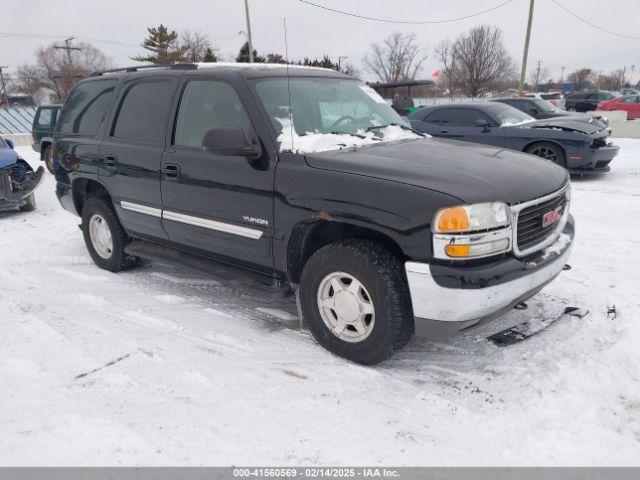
[{"x": 258, "y": 221}]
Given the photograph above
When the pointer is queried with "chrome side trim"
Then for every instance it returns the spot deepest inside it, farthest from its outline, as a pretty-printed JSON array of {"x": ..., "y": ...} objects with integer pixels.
[
  {"x": 136, "y": 207},
  {"x": 553, "y": 236},
  {"x": 213, "y": 225}
]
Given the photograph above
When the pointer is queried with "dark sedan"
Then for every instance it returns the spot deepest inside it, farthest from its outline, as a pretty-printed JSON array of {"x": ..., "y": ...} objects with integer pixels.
[
  {"x": 581, "y": 147},
  {"x": 542, "y": 109}
]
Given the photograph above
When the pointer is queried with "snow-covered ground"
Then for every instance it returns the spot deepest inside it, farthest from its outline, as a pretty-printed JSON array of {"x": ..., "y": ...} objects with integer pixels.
[{"x": 161, "y": 366}]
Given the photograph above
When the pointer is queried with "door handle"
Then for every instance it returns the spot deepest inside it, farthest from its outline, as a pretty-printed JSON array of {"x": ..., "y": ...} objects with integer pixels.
[
  {"x": 109, "y": 161},
  {"x": 444, "y": 131},
  {"x": 171, "y": 170}
]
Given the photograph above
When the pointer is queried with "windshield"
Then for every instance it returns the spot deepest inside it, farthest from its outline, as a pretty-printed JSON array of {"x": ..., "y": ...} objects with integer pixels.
[
  {"x": 329, "y": 107},
  {"x": 507, "y": 115},
  {"x": 544, "y": 106}
]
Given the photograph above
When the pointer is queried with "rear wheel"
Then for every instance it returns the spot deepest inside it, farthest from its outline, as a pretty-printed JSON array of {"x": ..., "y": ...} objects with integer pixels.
[
  {"x": 355, "y": 298},
  {"x": 548, "y": 151},
  {"x": 104, "y": 236},
  {"x": 48, "y": 159}
]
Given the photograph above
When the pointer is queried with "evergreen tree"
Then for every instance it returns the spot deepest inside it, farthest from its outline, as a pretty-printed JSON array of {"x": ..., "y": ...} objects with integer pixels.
[
  {"x": 243, "y": 55},
  {"x": 275, "y": 58},
  {"x": 325, "y": 62},
  {"x": 210, "y": 56},
  {"x": 164, "y": 46}
]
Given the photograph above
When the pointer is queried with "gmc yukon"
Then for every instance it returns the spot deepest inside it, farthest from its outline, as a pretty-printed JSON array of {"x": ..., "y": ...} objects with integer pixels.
[{"x": 307, "y": 180}]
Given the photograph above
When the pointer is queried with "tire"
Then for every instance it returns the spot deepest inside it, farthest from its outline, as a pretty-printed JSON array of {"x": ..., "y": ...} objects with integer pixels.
[
  {"x": 48, "y": 159},
  {"x": 384, "y": 288},
  {"x": 548, "y": 151},
  {"x": 30, "y": 204},
  {"x": 99, "y": 212}
]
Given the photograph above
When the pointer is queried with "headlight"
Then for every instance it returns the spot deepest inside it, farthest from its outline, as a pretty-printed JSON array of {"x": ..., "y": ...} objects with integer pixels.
[
  {"x": 472, "y": 231},
  {"x": 471, "y": 218}
]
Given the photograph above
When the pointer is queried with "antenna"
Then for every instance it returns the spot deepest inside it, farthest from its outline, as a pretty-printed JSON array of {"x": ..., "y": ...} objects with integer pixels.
[{"x": 286, "y": 55}]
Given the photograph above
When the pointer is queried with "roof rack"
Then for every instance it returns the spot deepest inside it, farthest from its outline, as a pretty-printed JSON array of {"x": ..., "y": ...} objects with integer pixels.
[{"x": 173, "y": 66}]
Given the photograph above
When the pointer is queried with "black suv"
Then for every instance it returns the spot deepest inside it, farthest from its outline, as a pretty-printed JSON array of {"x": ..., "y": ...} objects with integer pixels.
[
  {"x": 587, "y": 101},
  {"x": 308, "y": 180}
]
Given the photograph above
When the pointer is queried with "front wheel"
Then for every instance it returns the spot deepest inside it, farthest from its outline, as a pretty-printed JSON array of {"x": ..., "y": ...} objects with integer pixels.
[
  {"x": 548, "y": 151},
  {"x": 29, "y": 204},
  {"x": 104, "y": 236},
  {"x": 355, "y": 297}
]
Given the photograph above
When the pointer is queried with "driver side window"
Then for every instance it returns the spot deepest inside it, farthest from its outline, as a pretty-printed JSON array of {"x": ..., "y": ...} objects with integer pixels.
[{"x": 206, "y": 104}]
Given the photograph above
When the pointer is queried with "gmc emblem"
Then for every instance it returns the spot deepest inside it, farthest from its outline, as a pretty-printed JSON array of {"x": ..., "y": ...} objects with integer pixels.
[{"x": 551, "y": 217}]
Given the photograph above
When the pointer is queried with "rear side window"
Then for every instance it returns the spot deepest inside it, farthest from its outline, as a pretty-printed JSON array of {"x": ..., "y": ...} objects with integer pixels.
[
  {"x": 86, "y": 108},
  {"x": 143, "y": 111},
  {"x": 44, "y": 118},
  {"x": 464, "y": 117},
  {"x": 206, "y": 104},
  {"x": 439, "y": 116}
]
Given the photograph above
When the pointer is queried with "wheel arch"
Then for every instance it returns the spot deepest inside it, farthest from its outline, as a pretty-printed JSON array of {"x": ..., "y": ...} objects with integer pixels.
[
  {"x": 309, "y": 236},
  {"x": 44, "y": 144},
  {"x": 84, "y": 188}
]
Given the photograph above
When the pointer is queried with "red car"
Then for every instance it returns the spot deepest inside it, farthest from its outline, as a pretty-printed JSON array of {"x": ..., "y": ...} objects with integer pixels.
[{"x": 628, "y": 103}]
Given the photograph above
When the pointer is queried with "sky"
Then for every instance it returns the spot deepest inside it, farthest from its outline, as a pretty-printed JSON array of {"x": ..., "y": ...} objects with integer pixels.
[{"x": 120, "y": 26}]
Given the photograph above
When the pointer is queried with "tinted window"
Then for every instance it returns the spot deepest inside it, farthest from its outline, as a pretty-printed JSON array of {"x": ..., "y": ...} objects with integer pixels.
[
  {"x": 86, "y": 108},
  {"x": 577, "y": 96},
  {"x": 206, "y": 104},
  {"x": 464, "y": 117},
  {"x": 439, "y": 116},
  {"x": 630, "y": 100},
  {"x": 143, "y": 111}
]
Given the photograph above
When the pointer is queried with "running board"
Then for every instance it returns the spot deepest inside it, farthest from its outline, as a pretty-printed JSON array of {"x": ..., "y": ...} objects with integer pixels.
[{"x": 225, "y": 273}]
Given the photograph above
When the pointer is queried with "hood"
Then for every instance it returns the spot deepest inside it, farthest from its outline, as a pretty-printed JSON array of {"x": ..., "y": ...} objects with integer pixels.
[
  {"x": 565, "y": 123},
  {"x": 471, "y": 173},
  {"x": 7, "y": 157}
]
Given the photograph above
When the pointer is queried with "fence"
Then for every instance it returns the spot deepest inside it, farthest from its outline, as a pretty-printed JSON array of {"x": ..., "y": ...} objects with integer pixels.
[{"x": 16, "y": 120}]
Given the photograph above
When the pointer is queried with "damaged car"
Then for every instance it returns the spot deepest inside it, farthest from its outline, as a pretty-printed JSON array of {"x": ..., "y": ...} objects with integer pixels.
[
  {"x": 580, "y": 147},
  {"x": 18, "y": 180}
]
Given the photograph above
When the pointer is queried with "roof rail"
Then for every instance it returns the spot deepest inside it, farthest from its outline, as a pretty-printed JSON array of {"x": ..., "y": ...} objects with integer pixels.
[{"x": 173, "y": 66}]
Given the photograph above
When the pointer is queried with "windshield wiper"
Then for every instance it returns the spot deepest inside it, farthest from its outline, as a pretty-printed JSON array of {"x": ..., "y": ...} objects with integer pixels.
[
  {"x": 337, "y": 132},
  {"x": 404, "y": 127}
]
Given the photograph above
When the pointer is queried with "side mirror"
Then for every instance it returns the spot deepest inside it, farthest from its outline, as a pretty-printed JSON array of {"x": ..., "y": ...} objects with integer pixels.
[
  {"x": 481, "y": 122},
  {"x": 9, "y": 143},
  {"x": 230, "y": 141}
]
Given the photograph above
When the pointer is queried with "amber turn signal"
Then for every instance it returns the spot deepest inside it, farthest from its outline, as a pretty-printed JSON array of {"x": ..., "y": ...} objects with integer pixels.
[
  {"x": 453, "y": 220},
  {"x": 457, "y": 250}
]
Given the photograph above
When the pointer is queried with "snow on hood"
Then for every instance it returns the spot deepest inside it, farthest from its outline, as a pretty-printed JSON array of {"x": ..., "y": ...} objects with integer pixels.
[
  {"x": 313, "y": 142},
  {"x": 7, "y": 157}
]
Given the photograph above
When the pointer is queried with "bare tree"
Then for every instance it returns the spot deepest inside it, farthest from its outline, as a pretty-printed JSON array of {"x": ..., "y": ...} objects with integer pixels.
[
  {"x": 350, "y": 69},
  {"x": 55, "y": 72},
  {"x": 479, "y": 61},
  {"x": 444, "y": 52},
  {"x": 197, "y": 47},
  {"x": 398, "y": 58},
  {"x": 582, "y": 78}
]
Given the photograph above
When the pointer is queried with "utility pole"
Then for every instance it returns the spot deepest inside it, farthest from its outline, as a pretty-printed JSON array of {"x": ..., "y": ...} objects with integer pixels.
[
  {"x": 249, "y": 41},
  {"x": 624, "y": 74},
  {"x": 538, "y": 75},
  {"x": 68, "y": 48},
  {"x": 562, "y": 74},
  {"x": 523, "y": 73},
  {"x": 633, "y": 67},
  {"x": 340, "y": 61},
  {"x": 4, "y": 87}
]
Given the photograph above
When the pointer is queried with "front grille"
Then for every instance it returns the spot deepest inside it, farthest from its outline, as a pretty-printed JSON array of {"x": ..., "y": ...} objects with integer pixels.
[{"x": 530, "y": 229}]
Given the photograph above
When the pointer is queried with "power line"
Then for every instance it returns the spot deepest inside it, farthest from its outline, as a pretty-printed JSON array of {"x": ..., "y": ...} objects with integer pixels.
[
  {"x": 583, "y": 20},
  {"x": 407, "y": 22}
]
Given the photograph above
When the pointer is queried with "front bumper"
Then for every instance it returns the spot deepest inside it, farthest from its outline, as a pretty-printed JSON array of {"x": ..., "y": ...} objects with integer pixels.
[
  {"x": 595, "y": 160},
  {"x": 11, "y": 197},
  {"x": 448, "y": 299}
]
